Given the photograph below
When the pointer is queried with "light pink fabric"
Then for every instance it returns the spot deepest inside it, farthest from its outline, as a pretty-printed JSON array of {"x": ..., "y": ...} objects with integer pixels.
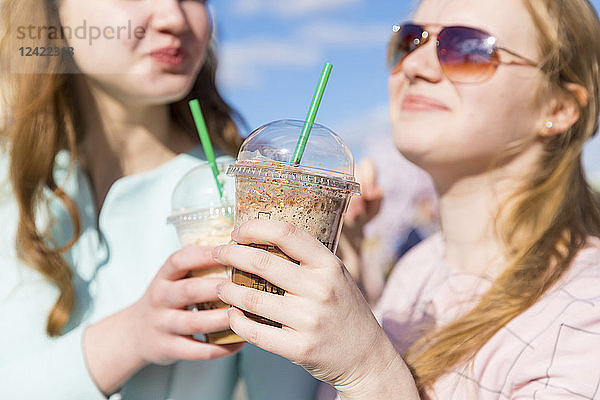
[{"x": 551, "y": 351}]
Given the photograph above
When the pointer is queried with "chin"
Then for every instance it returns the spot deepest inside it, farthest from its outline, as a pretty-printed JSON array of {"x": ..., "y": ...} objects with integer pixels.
[
  {"x": 165, "y": 94},
  {"x": 420, "y": 149},
  {"x": 414, "y": 143},
  {"x": 138, "y": 88},
  {"x": 167, "y": 98}
]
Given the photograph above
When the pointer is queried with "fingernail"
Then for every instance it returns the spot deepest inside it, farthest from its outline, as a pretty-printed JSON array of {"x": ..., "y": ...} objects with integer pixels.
[
  {"x": 235, "y": 233},
  {"x": 220, "y": 290},
  {"x": 216, "y": 252}
]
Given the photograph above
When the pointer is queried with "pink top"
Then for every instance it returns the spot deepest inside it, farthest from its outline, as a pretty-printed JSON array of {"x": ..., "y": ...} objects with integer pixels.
[{"x": 551, "y": 351}]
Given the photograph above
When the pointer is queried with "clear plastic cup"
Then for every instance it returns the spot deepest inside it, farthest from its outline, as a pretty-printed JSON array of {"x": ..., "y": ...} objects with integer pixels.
[
  {"x": 202, "y": 218},
  {"x": 312, "y": 196}
]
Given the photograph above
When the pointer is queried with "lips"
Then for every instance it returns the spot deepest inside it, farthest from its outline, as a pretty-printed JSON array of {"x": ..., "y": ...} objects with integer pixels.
[
  {"x": 170, "y": 56},
  {"x": 422, "y": 103}
]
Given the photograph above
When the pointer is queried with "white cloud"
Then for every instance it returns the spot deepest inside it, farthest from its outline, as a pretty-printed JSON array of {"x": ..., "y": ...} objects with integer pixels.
[
  {"x": 243, "y": 64},
  {"x": 363, "y": 132},
  {"x": 293, "y": 8},
  {"x": 348, "y": 34},
  {"x": 247, "y": 7}
]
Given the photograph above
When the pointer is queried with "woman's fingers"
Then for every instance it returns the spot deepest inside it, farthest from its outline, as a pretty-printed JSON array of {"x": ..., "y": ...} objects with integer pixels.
[
  {"x": 269, "y": 338},
  {"x": 187, "y": 348},
  {"x": 294, "y": 242},
  {"x": 180, "y": 263},
  {"x": 182, "y": 322},
  {"x": 280, "y": 272},
  {"x": 185, "y": 292},
  {"x": 319, "y": 269},
  {"x": 271, "y": 306}
]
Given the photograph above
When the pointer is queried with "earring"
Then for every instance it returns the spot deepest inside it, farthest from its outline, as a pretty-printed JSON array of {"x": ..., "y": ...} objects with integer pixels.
[{"x": 549, "y": 124}]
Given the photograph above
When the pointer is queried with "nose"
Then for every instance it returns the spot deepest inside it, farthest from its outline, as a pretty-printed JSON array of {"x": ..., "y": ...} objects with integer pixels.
[
  {"x": 168, "y": 16},
  {"x": 423, "y": 63}
]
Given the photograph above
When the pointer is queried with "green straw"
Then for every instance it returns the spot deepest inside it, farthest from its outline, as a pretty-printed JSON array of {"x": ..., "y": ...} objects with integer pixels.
[
  {"x": 312, "y": 113},
  {"x": 205, "y": 140}
]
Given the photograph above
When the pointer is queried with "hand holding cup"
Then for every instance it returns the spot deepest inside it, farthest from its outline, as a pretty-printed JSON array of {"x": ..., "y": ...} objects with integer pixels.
[
  {"x": 321, "y": 305},
  {"x": 158, "y": 329}
]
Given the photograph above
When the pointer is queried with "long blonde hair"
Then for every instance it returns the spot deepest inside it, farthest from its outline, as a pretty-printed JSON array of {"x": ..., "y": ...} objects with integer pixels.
[
  {"x": 551, "y": 216},
  {"x": 45, "y": 120}
]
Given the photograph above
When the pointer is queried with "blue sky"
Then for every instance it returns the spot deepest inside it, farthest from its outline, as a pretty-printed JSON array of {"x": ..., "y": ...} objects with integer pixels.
[{"x": 272, "y": 52}]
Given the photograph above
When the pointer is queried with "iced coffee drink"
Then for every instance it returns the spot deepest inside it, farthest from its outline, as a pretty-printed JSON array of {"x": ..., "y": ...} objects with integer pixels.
[
  {"x": 202, "y": 218},
  {"x": 312, "y": 196}
]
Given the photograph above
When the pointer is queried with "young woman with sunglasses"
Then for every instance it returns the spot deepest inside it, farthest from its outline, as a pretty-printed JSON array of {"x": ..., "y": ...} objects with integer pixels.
[
  {"x": 99, "y": 136},
  {"x": 495, "y": 99}
]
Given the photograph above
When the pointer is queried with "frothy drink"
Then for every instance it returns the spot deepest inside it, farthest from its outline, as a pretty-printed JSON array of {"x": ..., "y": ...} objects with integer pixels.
[
  {"x": 312, "y": 195},
  {"x": 213, "y": 231},
  {"x": 268, "y": 190},
  {"x": 202, "y": 217},
  {"x": 305, "y": 205},
  {"x": 210, "y": 231}
]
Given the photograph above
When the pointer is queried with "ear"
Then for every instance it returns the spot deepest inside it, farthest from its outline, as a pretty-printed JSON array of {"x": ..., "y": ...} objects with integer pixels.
[{"x": 564, "y": 109}]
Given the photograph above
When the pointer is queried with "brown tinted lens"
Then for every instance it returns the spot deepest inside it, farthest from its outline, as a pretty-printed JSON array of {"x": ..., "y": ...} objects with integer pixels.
[
  {"x": 403, "y": 42},
  {"x": 467, "y": 55}
]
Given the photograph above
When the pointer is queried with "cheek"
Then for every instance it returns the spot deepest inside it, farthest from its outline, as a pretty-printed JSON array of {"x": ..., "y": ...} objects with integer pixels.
[
  {"x": 198, "y": 19},
  {"x": 508, "y": 115},
  {"x": 200, "y": 29},
  {"x": 97, "y": 29},
  {"x": 396, "y": 84}
]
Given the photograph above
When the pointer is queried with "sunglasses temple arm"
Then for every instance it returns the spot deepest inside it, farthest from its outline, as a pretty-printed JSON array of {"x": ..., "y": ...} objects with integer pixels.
[{"x": 526, "y": 61}]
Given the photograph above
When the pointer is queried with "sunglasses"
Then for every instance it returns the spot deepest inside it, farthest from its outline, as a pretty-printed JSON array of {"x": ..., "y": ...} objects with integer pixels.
[{"x": 466, "y": 55}]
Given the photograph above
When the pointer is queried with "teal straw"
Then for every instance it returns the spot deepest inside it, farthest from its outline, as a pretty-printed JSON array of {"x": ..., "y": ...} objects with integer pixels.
[
  {"x": 205, "y": 140},
  {"x": 312, "y": 113}
]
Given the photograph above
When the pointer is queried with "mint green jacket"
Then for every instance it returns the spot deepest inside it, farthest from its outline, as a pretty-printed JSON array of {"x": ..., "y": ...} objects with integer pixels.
[{"x": 113, "y": 262}]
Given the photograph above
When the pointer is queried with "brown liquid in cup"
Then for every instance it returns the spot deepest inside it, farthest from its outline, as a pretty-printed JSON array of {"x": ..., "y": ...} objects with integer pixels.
[
  {"x": 256, "y": 282},
  {"x": 319, "y": 211}
]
